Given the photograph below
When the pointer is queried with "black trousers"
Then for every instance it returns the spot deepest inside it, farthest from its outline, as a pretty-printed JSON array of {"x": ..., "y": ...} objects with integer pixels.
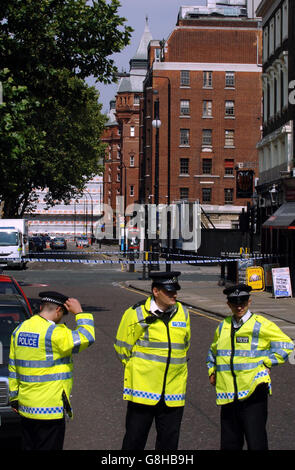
[
  {"x": 245, "y": 420},
  {"x": 42, "y": 434},
  {"x": 139, "y": 419}
]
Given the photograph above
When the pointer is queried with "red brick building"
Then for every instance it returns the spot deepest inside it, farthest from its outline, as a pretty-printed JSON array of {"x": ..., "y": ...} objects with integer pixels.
[
  {"x": 121, "y": 176},
  {"x": 206, "y": 81},
  {"x": 112, "y": 173}
]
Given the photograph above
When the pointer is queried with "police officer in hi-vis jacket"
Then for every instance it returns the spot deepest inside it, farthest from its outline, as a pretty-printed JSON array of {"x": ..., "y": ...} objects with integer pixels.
[
  {"x": 245, "y": 348},
  {"x": 41, "y": 369},
  {"x": 152, "y": 342}
]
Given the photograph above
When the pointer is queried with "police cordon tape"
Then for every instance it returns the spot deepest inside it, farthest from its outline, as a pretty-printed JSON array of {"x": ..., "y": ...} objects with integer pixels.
[
  {"x": 127, "y": 261},
  {"x": 178, "y": 255}
]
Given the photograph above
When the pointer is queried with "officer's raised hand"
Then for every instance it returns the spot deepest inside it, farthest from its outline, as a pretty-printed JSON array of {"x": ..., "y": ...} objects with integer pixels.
[{"x": 73, "y": 306}]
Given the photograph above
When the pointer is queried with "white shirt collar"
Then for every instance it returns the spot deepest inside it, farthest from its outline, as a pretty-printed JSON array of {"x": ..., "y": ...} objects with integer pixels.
[
  {"x": 154, "y": 307},
  {"x": 238, "y": 324}
]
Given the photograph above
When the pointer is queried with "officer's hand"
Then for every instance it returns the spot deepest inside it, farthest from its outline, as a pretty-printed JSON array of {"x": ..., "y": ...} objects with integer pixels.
[
  {"x": 73, "y": 306},
  {"x": 14, "y": 405},
  {"x": 212, "y": 379}
]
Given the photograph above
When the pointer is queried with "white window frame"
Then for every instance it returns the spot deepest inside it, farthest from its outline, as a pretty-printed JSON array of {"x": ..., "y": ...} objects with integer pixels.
[
  {"x": 207, "y": 79},
  {"x": 185, "y": 107},
  {"x": 230, "y": 79},
  {"x": 207, "y": 108}
]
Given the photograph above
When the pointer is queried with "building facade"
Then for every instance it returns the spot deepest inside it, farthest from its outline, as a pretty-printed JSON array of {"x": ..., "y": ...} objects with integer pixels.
[
  {"x": 204, "y": 85},
  {"x": 79, "y": 217},
  {"x": 276, "y": 188}
]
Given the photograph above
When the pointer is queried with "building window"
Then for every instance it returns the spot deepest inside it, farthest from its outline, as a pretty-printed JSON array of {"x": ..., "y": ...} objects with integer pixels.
[
  {"x": 131, "y": 190},
  {"x": 207, "y": 138},
  {"x": 207, "y": 108},
  {"x": 184, "y": 107},
  {"x": 278, "y": 29},
  {"x": 118, "y": 177},
  {"x": 136, "y": 100},
  {"x": 207, "y": 166},
  {"x": 271, "y": 36},
  {"x": 184, "y": 78},
  {"x": 206, "y": 195},
  {"x": 157, "y": 55},
  {"x": 285, "y": 29},
  {"x": 183, "y": 193},
  {"x": 184, "y": 166},
  {"x": 228, "y": 166},
  {"x": 265, "y": 44},
  {"x": 132, "y": 131},
  {"x": 131, "y": 160},
  {"x": 229, "y": 138},
  {"x": 184, "y": 137},
  {"x": 228, "y": 196},
  {"x": 229, "y": 108},
  {"x": 230, "y": 79},
  {"x": 207, "y": 80}
]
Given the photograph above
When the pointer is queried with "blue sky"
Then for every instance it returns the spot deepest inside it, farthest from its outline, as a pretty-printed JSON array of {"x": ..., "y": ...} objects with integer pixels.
[{"x": 162, "y": 15}]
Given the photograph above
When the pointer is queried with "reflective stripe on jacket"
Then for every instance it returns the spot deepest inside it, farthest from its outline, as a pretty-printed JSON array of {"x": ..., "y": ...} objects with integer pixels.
[
  {"x": 241, "y": 358},
  {"x": 41, "y": 366},
  {"x": 154, "y": 355}
]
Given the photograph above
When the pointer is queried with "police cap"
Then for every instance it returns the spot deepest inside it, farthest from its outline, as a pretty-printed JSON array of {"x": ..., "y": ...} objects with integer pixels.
[
  {"x": 54, "y": 298},
  {"x": 238, "y": 294},
  {"x": 168, "y": 280}
]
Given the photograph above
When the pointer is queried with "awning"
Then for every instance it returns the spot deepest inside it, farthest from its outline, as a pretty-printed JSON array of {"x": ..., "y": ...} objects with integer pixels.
[{"x": 284, "y": 217}]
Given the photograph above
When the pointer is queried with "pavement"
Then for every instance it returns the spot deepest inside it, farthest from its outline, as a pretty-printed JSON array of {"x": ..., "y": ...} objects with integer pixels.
[{"x": 208, "y": 297}]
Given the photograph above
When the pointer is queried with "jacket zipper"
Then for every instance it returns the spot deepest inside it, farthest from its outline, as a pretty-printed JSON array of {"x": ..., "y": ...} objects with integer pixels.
[
  {"x": 233, "y": 333},
  {"x": 168, "y": 360}
]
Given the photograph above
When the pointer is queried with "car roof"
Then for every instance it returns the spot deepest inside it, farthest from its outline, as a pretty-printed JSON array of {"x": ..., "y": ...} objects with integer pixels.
[{"x": 4, "y": 278}]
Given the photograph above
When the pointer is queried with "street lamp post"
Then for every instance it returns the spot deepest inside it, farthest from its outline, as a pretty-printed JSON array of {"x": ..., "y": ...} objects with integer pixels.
[
  {"x": 156, "y": 123},
  {"x": 92, "y": 235}
]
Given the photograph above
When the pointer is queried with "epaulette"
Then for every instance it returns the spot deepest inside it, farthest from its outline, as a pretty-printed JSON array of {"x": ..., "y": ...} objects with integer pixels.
[{"x": 138, "y": 304}]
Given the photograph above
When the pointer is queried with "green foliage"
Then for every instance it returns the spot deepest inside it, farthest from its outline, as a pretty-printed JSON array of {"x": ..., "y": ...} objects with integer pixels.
[{"x": 50, "y": 120}]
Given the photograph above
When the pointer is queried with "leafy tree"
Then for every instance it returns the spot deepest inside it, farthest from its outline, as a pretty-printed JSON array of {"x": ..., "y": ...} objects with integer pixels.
[{"x": 50, "y": 120}]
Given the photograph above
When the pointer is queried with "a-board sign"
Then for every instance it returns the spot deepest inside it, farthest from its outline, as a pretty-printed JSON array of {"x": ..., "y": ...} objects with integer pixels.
[
  {"x": 255, "y": 278},
  {"x": 281, "y": 282}
]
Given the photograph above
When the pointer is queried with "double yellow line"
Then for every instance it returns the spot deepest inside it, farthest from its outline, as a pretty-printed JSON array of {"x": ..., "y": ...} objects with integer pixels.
[{"x": 191, "y": 309}]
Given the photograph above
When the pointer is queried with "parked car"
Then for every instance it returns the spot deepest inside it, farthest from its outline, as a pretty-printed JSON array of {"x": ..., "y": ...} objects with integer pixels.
[
  {"x": 13, "y": 311},
  {"x": 82, "y": 241},
  {"x": 36, "y": 244},
  {"x": 58, "y": 243},
  {"x": 9, "y": 285}
]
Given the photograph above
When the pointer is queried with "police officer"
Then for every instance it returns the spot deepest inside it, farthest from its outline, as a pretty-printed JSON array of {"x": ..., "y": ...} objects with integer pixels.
[
  {"x": 41, "y": 369},
  {"x": 245, "y": 348},
  {"x": 152, "y": 342}
]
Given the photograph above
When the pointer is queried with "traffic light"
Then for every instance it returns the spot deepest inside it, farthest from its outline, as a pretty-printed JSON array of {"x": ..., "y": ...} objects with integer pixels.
[{"x": 244, "y": 221}]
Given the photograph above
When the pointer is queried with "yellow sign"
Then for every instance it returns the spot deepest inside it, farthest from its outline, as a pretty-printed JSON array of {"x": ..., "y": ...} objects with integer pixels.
[{"x": 255, "y": 278}]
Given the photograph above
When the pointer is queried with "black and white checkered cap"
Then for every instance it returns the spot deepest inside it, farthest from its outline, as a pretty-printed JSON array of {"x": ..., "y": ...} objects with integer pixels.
[
  {"x": 53, "y": 297},
  {"x": 168, "y": 280}
]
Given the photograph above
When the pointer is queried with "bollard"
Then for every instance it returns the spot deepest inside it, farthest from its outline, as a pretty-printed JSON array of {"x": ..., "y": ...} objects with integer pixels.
[{"x": 131, "y": 265}]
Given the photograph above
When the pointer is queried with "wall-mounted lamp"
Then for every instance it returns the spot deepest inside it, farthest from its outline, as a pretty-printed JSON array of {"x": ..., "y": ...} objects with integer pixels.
[{"x": 273, "y": 194}]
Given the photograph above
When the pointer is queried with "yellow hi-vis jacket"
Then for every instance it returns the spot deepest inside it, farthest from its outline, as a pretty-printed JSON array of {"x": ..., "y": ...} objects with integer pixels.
[
  {"x": 41, "y": 366},
  {"x": 240, "y": 358},
  {"x": 154, "y": 355}
]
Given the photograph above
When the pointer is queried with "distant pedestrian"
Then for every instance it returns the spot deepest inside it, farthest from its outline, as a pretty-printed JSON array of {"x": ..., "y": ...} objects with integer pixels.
[
  {"x": 152, "y": 342},
  {"x": 41, "y": 369},
  {"x": 245, "y": 348}
]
